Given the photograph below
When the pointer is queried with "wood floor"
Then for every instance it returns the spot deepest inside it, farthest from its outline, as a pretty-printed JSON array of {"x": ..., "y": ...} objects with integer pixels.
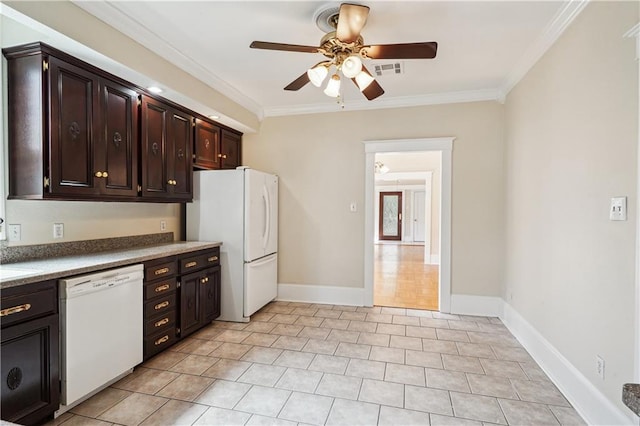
[{"x": 401, "y": 279}]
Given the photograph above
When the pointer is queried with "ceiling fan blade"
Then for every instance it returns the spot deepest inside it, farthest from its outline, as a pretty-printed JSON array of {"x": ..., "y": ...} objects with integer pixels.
[
  {"x": 373, "y": 90},
  {"x": 282, "y": 46},
  {"x": 298, "y": 83},
  {"x": 426, "y": 50},
  {"x": 350, "y": 22}
]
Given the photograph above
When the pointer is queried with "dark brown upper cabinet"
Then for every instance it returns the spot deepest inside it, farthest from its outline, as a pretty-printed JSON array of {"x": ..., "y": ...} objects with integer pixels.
[
  {"x": 215, "y": 147},
  {"x": 207, "y": 145},
  {"x": 167, "y": 138},
  {"x": 72, "y": 132},
  {"x": 230, "y": 149}
]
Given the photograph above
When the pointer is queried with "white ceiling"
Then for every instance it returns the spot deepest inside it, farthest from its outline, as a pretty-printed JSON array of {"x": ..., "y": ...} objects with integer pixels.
[{"x": 484, "y": 47}]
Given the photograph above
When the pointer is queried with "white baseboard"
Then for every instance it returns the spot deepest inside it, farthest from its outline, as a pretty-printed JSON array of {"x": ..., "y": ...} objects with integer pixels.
[
  {"x": 476, "y": 305},
  {"x": 590, "y": 403},
  {"x": 311, "y": 293},
  {"x": 434, "y": 259}
]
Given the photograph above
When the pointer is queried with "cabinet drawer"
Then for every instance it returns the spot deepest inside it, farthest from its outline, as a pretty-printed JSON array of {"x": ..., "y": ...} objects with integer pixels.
[
  {"x": 192, "y": 263},
  {"x": 160, "y": 306},
  {"x": 159, "y": 288},
  {"x": 199, "y": 261},
  {"x": 212, "y": 258},
  {"x": 160, "y": 270},
  {"x": 28, "y": 302},
  {"x": 159, "y": 342},
  {"x": 159, "y": 324}
]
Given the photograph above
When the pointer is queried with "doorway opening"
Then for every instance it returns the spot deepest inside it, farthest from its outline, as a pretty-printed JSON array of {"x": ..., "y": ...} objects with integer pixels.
[
  {"x": 416, "y": 250},
  {"x": 406, "y": 272}
]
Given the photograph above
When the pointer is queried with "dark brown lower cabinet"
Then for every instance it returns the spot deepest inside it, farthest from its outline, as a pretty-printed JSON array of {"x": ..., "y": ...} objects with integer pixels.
[
  {"x": 182, "y": 295},
  {"x": 199, "y": 299},
  {"x": 30, "y": 387}
]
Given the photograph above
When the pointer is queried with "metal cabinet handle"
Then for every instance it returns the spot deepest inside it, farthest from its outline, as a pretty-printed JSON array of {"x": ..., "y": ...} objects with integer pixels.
[
  {"x": 162, "y": 288},
  {"x": 204, "y": 280},
  {"x": 161, "y": 340},
  {"x": 15, "y": 309},
  {"x": 105, "y": 174},
  {"x": 163, "y": 321},
  {"x": 98, "y": 174},
  {"x": 161, "y": 305},
  {"x": 161, "y": 271},
  {"x": 190, "y": 264},
  {"x": 212, "y": 259}
]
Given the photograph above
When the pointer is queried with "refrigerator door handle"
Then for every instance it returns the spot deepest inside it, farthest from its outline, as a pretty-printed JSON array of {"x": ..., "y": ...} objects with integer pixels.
[{"x": 267, "y": 222}]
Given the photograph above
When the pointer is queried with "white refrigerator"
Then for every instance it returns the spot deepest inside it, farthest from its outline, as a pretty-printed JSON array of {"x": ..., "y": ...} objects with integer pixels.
[{"x": 240, "y": 209}]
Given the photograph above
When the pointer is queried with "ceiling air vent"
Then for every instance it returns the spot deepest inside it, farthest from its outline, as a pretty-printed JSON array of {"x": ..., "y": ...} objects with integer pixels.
[{"x": 388, "y": 69}]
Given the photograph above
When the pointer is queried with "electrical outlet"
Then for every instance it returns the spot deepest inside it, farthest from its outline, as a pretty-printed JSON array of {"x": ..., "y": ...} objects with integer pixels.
[
  {"x": 600, "y": 367},
  {"x": 58, "y": 230},
  {"x": 163, "y": 225},
  {"x": 15, "y": 232}
]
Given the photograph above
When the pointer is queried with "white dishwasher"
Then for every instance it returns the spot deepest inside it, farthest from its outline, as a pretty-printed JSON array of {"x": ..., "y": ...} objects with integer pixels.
[{"x": 100, "y": 329}]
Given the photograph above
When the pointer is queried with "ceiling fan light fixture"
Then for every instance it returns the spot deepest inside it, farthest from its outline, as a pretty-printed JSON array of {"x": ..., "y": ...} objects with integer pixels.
[
  {"x": 363, "y": 80},
  {"x": 317, "y": 74},
  {"x": 333, "y": 86},
  {"x": 351, "y": 66}
]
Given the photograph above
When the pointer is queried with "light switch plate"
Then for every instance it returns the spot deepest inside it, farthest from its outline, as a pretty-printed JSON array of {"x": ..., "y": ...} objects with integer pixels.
[
  {"x": 618, "y": 209},
  {"x": 15, "y": 232}
]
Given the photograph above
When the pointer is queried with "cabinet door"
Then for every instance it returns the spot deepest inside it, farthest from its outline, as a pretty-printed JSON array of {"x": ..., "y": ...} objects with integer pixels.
[
  {"x": 210, "y": 295},
  {"x": 230, "y": 148},
  {"x": 155, "y": 121},
  {"x": 189, "y": 303},
  {"x": 73, "y": 98},
  {"x": 207, "y": 146},
  {"x": 180, "y": 162},
  {"x": 117, "y": 145},
  {"x": 30, "y": 377}
]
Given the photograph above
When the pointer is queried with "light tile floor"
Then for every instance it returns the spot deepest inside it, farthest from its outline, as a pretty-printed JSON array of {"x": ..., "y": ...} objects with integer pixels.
[{"x": 299, "y": 363}]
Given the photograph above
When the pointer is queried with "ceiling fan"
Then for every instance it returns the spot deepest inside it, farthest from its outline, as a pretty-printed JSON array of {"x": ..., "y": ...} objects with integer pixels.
[{"x": 345, "y": 49}]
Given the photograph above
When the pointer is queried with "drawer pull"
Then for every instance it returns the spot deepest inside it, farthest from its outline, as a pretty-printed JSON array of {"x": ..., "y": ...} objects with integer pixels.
[
  {"x": 162, "y": 340},
  {"x": 190, "y": 264},
  {"x": 162, "y": 288},
  {"x": 161, "y": 271},
  {"x": 212, "y": 259},
  {"x": 162, "y": 322},
  {"x": 161, "y": 305},
  {"x": 15, "y": 310}
]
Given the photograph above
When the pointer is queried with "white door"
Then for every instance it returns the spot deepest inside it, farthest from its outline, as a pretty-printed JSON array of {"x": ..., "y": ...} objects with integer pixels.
[
  {"x": 260, "y": 283},
  {"x": 418, "y": 216}
]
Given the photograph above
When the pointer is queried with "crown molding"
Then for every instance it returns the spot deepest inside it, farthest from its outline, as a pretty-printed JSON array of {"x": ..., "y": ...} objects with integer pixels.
[
  {"x": 398, "y": 102},
  {"x": 635, "y": 33},
  {"x": 111, "y": 14},
  {"x": 550, "y": 35}
]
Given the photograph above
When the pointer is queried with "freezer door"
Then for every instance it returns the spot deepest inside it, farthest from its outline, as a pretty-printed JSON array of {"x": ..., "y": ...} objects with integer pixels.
[
  {"x": 260, "y": 283},
  {"x": 261, "y": 215}
]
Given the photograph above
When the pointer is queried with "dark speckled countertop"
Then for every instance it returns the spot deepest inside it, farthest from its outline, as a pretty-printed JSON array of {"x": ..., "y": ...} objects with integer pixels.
[
  {"x": 631, "y": 397},
  {"x": 19, "y": 273}
]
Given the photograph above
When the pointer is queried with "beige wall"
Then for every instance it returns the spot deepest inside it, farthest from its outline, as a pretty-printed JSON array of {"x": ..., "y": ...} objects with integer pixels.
[
  {"x": 320, "y": 160},
  {"x": 89, "y": 220},
  {"x": 572, "y": 134}
]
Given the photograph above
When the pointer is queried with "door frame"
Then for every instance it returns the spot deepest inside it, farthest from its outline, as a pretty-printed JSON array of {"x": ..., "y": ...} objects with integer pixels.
[
  {"x": 444, "y": 146},
  {"x": 400, "y": 217}
]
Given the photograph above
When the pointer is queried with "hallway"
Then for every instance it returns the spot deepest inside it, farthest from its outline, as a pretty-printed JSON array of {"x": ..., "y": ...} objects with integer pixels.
[{"x": 402, "y": 279}]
